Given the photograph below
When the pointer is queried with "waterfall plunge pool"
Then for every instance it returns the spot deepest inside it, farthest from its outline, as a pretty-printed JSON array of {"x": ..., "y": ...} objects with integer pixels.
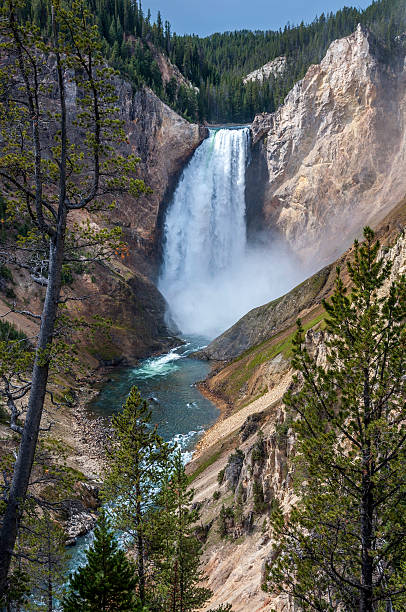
[
  {"x": 167, "y": 382},
  {"x": 210, "y": 277}
]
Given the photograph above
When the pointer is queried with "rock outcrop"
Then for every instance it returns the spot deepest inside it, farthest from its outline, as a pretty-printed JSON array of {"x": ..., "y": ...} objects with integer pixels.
[
  {"x": 274, "y": 68},
  {"x": 249, "y": 453},
  {"x": 164, "y": 141},
  {"x": 336, "y": 149}
]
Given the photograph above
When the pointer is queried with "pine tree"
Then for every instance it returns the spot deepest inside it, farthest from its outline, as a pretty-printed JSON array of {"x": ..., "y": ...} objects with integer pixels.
[
  {"x": 45, "y": 544},
  {"x": 42, "y": 187},
  {"x": 344, "y": 546},
  {"x": 177, "y": 549},
  {"x": 138, "y": 459},
  {"x": 107, "y": 582}
]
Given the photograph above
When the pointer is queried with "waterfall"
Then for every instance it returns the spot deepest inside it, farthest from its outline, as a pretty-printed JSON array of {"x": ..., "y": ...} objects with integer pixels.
[{"x": 209, "y": 276}]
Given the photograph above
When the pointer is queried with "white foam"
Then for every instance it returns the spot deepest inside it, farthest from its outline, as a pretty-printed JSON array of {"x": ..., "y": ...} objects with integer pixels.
[
  {"x": 183, "y": 441},
  {"x": 159, "y": 366}
]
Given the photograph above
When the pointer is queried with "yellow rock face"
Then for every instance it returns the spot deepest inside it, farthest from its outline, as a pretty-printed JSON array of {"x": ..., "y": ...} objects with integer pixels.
[{"x": 336, "y": 149}]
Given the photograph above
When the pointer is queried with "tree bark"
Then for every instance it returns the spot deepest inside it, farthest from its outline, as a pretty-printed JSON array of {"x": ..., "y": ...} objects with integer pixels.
[
  {"x": 367, "y": 504},
  {"x": 25, "y": 458},
  {"x": 140, "y": 547},
  {"x": 366, "y": 596}
]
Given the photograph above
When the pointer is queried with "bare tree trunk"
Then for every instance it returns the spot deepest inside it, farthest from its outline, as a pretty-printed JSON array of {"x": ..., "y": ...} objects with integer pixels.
[
  {"x": 367, "y": 500},
  {"x": 25, "y": 458},
  {"x": 366, "y": 539},
  {"x": 140, "y": 545},
  {"x": 50, "y": 595}
]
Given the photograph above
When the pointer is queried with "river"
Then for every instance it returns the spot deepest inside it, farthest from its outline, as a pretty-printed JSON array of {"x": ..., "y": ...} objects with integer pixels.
[
  {"x": 210, "y": 276},
  {"x": 178, "y": 408},
  {"x": 168, "y": 383}
]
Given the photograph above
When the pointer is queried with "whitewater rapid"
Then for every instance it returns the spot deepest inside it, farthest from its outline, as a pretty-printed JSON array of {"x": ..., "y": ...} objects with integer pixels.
[{"x": 210, "y": 275}]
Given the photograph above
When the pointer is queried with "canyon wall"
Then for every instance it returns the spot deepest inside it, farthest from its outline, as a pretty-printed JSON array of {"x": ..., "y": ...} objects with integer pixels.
[
  {"x": 335, "y": 150},
  {"x": 164, "y": 142},
  {"x": 243, "y": 467},
  {"x": 123, "y": 289}
]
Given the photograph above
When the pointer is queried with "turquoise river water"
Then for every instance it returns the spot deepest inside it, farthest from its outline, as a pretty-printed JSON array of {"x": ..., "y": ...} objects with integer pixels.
[{"x": 178, "y": 408}]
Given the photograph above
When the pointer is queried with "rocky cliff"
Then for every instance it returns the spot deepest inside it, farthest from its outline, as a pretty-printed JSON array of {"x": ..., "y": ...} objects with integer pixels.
[
  {"x": 124, "y": 290},
  {"x": 271, "y": 69},
  {"x": 164, "y": 141},
  {"x": 335, "y": 150},
  {"x": 262, "y": 322}
]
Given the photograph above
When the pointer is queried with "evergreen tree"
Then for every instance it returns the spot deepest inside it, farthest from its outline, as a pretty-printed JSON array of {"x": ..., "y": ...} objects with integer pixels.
[
  {"x": 344, "y": 546},
  {"x": 107, "y": 582},
  {"x": 138, "y": 459},
  {"x": 45, "y": 544},
  {"x": 223, "y": 60},
  {"x": 175, "y": 547},
  {"x": 43, "y": 186}
]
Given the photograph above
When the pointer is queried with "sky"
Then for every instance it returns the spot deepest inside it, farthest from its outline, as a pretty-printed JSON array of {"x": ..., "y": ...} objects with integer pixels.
[{"x": 204, "y": 17}]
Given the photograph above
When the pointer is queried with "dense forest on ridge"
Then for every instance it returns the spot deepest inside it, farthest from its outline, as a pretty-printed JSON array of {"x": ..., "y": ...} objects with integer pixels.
[{"x": 217, "y": 64}]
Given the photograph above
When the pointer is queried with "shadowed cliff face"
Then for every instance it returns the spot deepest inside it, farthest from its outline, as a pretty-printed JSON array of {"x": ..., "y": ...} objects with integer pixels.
[
  {"x": 164, "y": 142},
  {"x": 123, "y": 290},
  {"x": 335, "y": 151}
]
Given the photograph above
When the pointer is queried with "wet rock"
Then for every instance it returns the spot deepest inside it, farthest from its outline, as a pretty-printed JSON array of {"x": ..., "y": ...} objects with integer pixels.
[{"x": 79, "y": 522}]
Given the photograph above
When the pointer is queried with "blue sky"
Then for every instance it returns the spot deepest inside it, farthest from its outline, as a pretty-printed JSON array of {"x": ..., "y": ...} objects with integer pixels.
[{"x": 207, "y": 16}]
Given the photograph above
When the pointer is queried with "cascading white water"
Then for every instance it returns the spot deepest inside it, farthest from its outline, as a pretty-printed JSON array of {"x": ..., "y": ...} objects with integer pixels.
[{"x": 209, "y": 276}]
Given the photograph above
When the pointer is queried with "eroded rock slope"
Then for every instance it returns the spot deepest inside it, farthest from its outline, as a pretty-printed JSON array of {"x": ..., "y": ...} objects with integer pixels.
[{"x": 243, "y": 468}]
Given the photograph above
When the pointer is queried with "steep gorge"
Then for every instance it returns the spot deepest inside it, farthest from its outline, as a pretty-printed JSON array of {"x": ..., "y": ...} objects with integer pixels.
[
  {"x": 322, "y": 166},
  {"x": 333, "y": 159},
  {"x": 328, "y": 162},
  {"x": 243, "y": 466}
]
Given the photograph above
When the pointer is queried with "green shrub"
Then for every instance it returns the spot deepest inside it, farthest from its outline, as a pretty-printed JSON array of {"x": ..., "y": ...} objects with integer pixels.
[
  {"x": 4, "y": 416},
  {"x": 6, "y": 274},
  {"x": 66, "y": 275},
  {"x": 275, "y": 508},
  {"x": 216, "y": 495},
  {"x": 9, "y": 332},
  {"x": 220, "y": 476},
  {"x": 281, "y": 429},
  {"x": 259, "y": 500},
  {"x": 68, "y": 270},
  {"x": 9, "y": 293},
  {"x": 258, "y": 452},
  {"x": 225, "y": 513}
]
